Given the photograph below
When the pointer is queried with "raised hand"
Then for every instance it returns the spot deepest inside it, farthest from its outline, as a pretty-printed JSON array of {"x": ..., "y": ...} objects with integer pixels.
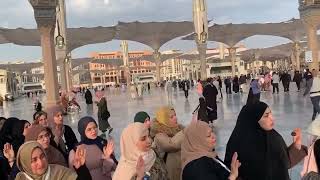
[
  {"x": 235, "y": 164},
  {"x": 140, "y": 168},
  {"x": 297, "y": 139},
  {"x": 108, "y": 149},
  {"x": 8, "y": 152},
  {"x": 79, "y": 157}
]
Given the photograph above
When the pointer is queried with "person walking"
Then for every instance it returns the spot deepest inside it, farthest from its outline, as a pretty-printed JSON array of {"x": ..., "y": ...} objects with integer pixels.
[
  {"x": 220, "y": 86},
  {"x": 235, "y": 84},
  {"x": 210, "y": 93},
  {"x": 297, "y": 78},
  {"x": 275, "y": 82},
  {"x": 254, "y": 92},
  {"x": 313, "y": 88},
  {"x": 227, "y": 83},
  {"x": 199, "y": 88},
  {"x": 103, "y": 113},
  {"x": 88, "y": 97},
  {"x": 186, "y": 87}
]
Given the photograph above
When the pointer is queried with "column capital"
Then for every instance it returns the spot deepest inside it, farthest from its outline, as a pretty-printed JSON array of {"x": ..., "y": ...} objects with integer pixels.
[
  {"x": 232, "y": 50},
  {"x": 157, "y": 55},
  {"x": 44, "y": 12}
]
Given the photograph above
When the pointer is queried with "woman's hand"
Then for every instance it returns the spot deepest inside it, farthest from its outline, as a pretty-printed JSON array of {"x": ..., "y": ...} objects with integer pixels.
[
  {"x": 108, "y": 149},
  {"x": 235, "y": 164},
  {"x": 140, "y": 168},
  {"x": 8, "y": 152},
  {"x": 79, "y": 157},
  {"x": 297, "y": 139}
]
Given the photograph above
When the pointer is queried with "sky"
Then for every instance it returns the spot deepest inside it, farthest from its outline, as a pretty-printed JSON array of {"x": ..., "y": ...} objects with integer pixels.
[{"x": 91, "y": 13}]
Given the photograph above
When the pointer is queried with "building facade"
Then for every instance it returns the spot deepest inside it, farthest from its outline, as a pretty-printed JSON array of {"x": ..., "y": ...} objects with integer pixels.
[{"x": 108, "y": 74}]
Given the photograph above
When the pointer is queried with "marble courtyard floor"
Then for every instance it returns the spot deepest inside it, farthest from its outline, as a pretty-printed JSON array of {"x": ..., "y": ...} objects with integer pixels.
[{"x": 290, "y": 110}]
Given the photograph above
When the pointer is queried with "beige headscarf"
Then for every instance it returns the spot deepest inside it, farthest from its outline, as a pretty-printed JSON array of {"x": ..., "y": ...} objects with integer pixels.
[
  {"x": 53, "y": 172},
  {"x": 53, "y": 155},
  {"x": 130, "y": 153},
  {"x": 194, "y": 145}
]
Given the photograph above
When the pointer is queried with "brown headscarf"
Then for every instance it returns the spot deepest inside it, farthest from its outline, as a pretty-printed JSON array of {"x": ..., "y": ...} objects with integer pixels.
[
  {"x": 126, "y": 168},
  {"x": 194, "y": 145},
  {"x": 53, "y": 172},
  {"x": 53, "y": 155}
]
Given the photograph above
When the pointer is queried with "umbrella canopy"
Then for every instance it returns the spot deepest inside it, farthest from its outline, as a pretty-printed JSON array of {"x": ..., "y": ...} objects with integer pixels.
[{"x": 153, "y": 34}]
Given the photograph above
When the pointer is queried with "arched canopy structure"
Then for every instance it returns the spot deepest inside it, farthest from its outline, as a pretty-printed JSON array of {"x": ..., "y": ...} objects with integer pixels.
[
  {"x": 268, "y": 54},
  {"x": 76, "y": 38},
  {"x": 153, "y": 34},
  {"x": 231, "y": 34},
  {"x": 20, "y": 67}
]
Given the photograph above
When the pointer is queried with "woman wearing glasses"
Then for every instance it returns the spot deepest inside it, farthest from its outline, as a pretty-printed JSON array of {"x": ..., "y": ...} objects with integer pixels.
[{"x": 42, "y": 135}]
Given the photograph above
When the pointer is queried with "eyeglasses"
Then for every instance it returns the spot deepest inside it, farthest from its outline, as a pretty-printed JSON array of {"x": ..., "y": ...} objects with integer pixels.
[{"x": 41, "y": 137}]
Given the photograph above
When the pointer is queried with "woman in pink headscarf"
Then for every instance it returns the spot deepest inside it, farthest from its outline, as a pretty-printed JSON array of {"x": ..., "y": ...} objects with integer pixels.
[{"x": 103, "y": 113}]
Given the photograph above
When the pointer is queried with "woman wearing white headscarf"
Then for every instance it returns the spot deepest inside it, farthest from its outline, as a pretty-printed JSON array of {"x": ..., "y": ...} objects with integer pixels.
[{"x": 137, "y": 158}]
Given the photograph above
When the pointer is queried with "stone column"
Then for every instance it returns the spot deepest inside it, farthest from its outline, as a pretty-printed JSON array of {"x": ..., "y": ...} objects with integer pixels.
[
  {"x": 297, "y": 55},
  {"x": 50, "y": 66},
  {"x": 297, "y": 52},
  {"x": 69, "y": 76},
  {"x": 293, "y": 60},
  {"x": 202, "y": 49},
  {"x": 310, "y": 16},
  {"x": 233, "y": 56},
  {"x": 313, "y": 46},
  {"x": 125, "y": 57},
  {"x": 157, "y": 58},
  {"x": 45, "y": 16}
]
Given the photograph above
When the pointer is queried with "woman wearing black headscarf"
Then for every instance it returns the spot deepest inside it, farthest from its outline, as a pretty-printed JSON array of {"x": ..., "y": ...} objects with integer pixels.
[
  {"x": 99, "y": 158},
  {"x": 13, "y": 132},
  {"x": 262, "y": 151}
]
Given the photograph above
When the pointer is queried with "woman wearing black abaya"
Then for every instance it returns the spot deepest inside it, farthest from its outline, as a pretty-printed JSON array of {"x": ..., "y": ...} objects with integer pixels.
[{"x": 262, "y": 151}]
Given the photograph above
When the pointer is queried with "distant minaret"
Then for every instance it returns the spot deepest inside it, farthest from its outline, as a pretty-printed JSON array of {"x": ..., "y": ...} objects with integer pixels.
[{"x": 221, "y": 50}]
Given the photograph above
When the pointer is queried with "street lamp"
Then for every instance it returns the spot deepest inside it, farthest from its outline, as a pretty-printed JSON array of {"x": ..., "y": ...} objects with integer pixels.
[{"x": 59, "y": 39}]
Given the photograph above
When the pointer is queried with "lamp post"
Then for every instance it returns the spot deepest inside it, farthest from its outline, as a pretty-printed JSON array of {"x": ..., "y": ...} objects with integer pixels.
[
  {"x": 200, "y": 21},
  {"x": 45, "y": 16},
  {"x": 62, "y": 47},
  {"x": 310, "y": 16}
]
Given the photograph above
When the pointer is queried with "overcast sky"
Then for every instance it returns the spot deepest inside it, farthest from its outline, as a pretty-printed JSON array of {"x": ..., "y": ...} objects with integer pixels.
[{"x": 90, "y": 13}]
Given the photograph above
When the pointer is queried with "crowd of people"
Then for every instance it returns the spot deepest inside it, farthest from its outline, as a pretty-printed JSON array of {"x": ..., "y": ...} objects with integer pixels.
[{"x": 160, "y": 148}]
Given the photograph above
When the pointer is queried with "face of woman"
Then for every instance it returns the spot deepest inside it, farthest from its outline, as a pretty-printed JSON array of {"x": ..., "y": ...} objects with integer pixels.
[
  {"x": 39, "y": 163},
  {"x": 211, "y": 139},
  {"x": 43, "y": 121},
  {"x": 58, "y": 119},
  {"x": 144, "y": 143},
  {"x": 266, "y": 122},
  {"x": 91, "y": 131},
  {"x": 44, "y": 139},
  {"x": 25, "y": 128},
  {"x": 173, "y": 117},
  {"x": 147, "y": 123}
]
